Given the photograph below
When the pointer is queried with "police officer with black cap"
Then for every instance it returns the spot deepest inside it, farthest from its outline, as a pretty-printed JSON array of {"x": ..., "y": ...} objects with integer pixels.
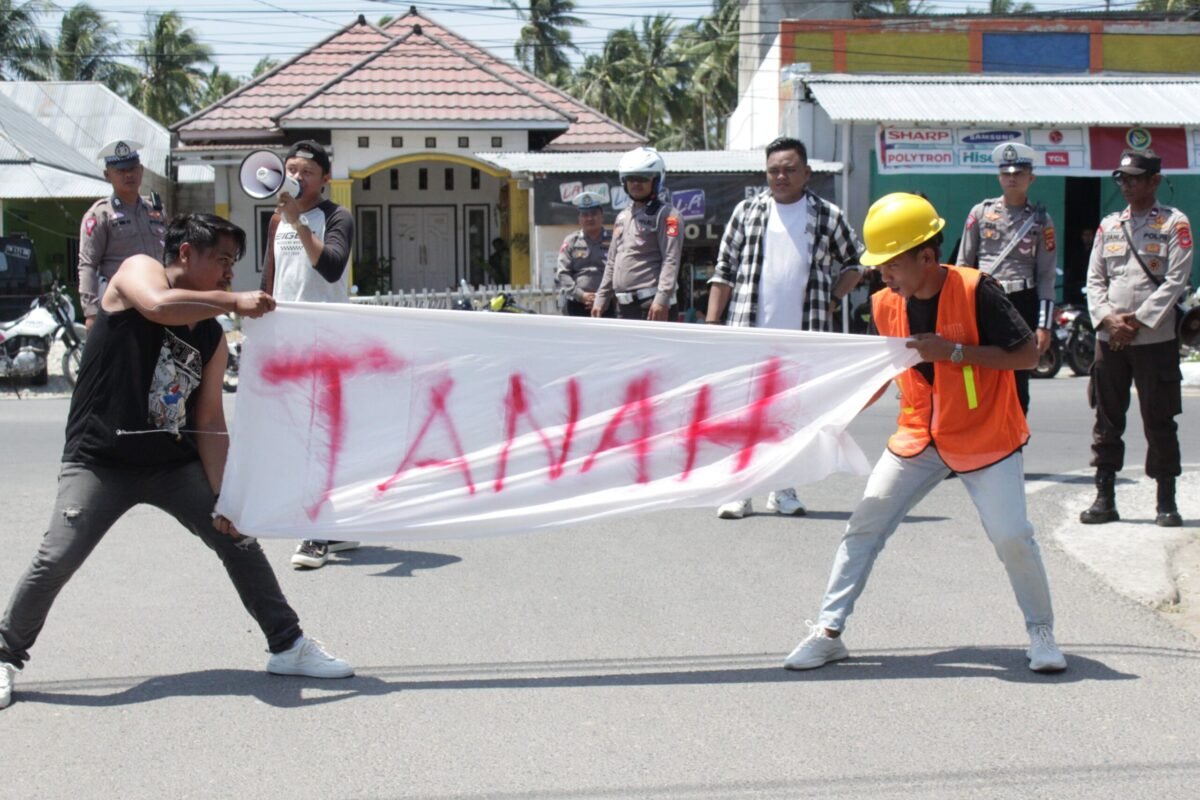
[
  {"x": 1139, "y": 270},
  {"x": 1013, "y": 240},
  {"x": 581, "y": 257},
  {"x": 116, "y": 227}
]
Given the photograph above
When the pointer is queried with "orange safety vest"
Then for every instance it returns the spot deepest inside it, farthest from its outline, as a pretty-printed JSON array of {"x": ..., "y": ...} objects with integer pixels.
[{"x": 970, "y": 413}]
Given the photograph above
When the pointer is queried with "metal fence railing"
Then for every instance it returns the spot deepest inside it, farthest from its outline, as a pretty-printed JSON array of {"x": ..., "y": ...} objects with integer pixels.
[{"x": 533, "y": 298}]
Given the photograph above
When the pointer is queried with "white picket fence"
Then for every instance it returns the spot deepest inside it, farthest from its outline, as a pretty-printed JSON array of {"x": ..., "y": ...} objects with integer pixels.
[{"x": 533, "y": 298}]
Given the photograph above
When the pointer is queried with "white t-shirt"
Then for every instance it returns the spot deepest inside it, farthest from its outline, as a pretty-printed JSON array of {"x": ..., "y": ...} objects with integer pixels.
[
  {"x": 784, "y": 277},
  {"x": 295, "y": 277}
]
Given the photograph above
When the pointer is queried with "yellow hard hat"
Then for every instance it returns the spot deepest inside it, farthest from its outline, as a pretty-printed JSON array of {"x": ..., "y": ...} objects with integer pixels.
[{"x": 898, "y": 222}]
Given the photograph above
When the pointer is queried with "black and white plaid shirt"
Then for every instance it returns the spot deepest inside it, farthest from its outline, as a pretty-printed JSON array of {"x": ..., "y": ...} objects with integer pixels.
[{"x": 833, "y": 246}]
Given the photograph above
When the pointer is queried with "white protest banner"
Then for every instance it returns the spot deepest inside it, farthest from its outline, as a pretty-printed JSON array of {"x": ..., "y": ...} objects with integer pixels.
[{"x": 390, "y": 424}]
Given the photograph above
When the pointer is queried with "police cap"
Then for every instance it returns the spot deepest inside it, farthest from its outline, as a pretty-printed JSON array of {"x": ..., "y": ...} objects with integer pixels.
[
  {"x": 1013, "y": 157},
  {"x": 121, "y": 154},
  {"x": 588, "y": 201},
  {"x": 1139, "y": 162}
]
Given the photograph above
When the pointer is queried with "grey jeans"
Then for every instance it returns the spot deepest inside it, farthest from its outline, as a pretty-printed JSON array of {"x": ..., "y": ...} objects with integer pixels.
[
  {"x": 895, "y": 486},
  {"x": 90, "y": 501}
]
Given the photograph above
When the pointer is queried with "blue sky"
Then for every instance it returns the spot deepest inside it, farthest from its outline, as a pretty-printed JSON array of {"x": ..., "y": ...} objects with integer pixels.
[{"x": 242, "y": 31}]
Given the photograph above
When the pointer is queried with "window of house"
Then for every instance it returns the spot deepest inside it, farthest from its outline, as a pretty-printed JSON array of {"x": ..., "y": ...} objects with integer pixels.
[
  {"x": 497, "y": 141},
  {"x": 431, "y": 141},
  {"x": 422, "y": 179},
  {"x": 449, "y": 179},
  {"x": 475, "y": 178},
  {"x": 364, "y": 141},
  {"x": 397, "y": 141},
  {"x": 395, "y": 179}
]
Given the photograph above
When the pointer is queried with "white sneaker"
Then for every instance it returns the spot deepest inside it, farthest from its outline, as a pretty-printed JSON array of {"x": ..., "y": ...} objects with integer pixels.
[
  {"x": 312, "y": 554},
  {"x": 735, "y": 510},
  {"x": 1043, "y": 652},
  {"x": 308, "y": 658},
  {"x": 7, "y": 671},
  {"x": 817, "y": 649},
  {"x": 785, "y": 502}
]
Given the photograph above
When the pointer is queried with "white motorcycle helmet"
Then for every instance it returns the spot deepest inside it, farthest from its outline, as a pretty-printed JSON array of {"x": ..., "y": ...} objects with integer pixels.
[{"x": 643, "y": 161}]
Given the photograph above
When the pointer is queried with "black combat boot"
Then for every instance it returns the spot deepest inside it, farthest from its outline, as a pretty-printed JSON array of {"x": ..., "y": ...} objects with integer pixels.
[
  {"x": 1168, "y": 512},
  {"x": 1104, "y": 509}
]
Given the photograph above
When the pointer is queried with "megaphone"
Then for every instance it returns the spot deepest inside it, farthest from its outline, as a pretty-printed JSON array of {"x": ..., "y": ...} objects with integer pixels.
[{"x": 262, "y": 175}]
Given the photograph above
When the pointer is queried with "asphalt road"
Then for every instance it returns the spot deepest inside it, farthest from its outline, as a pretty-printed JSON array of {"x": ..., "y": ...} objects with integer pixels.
[{"x": 631, "y": 658}]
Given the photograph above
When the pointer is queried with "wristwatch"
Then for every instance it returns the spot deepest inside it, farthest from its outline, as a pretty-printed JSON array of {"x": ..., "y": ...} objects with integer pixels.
[
  {"x": 957, "y": 355},
  {"x": 302, "y": 222}
]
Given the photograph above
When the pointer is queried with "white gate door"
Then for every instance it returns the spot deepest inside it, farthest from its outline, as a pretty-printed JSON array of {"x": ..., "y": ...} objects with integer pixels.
[{"x": 423, "y": 255}]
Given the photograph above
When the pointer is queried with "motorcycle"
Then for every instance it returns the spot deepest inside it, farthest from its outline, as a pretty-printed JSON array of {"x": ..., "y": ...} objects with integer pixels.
[
  {"x": 26, "y": 341},
  {"x": 1079, "y": 338},
  {"x": 233, "y": 339},
  {"x": 1051, "y": 361}
]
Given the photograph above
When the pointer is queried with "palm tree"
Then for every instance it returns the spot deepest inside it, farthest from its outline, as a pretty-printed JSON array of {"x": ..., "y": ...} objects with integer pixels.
[
  {"x": 544, "y": 40},
  {"x": 217, "y": 84},
  {"x": 601, "y": 81},
  {"x": 710, "y": 47},
  {"x": 1010, "y": 7},
  {"x": 172, "y": 75},
  {"x": 265, "y": 64},
  {"x": 89, "y": 50},
  {"x": 25, "y": 52},
  {"x": 654, "y": 68}
]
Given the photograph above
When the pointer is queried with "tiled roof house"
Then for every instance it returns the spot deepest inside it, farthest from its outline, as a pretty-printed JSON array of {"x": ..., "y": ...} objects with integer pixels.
[{"x": 409, "y": 110}]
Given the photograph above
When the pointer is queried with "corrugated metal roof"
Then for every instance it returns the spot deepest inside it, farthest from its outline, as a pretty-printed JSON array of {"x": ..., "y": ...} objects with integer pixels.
[
  {"x": 88, "y": 115},
  {"x": 685, "y": 161},
  {"x": 41, "y": 182},
  {"x": 1009, "y": 99},
  {"x": 24, "y": 140}
]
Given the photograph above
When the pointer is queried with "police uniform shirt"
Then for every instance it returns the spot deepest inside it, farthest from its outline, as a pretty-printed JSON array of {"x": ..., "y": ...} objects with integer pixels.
[
  {"x": 647, "y": 244},
  {"x": 1116, "y": 283},
  {"x": 581, "y": 263},
  {"x": 110, "y": 233},
  {"x": 1031, "y": 263}
]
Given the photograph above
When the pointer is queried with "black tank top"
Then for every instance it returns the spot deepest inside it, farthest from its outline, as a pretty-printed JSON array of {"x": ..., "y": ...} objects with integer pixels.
[{"x": 137, "y": 375}]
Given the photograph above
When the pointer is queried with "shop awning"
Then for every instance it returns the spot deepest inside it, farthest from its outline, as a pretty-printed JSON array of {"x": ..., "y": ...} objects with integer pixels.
[{"x": 1083, "y": 100}]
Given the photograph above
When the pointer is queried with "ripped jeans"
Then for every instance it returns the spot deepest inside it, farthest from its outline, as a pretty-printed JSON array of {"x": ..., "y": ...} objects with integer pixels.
[{"x": 90, "y": 501}]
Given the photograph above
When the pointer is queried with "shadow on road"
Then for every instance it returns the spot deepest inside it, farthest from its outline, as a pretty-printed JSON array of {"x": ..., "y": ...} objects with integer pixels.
[
  {"x": 1006, "y": 664},
  {"x": 402, "y": 562}
]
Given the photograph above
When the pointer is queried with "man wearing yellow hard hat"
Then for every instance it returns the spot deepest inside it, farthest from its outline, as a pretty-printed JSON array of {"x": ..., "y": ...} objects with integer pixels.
[{"x": 959, "y": 413}]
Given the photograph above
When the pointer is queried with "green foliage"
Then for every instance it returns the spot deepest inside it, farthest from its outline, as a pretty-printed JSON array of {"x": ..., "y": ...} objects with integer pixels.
[
  {"x": 25, "y": 52},
  {"x": 544, "y": 41},
  {"x": 89, "y": 49},
  {"x": 265, "y": 64},
  {"x": 172, "y": 61}
]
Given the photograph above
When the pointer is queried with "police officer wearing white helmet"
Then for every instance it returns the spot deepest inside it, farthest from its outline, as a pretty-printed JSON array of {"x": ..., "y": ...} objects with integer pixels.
[
  {"x": 116, "y": 227},
  {"x": 647, "y": 243},
  {"x": 582, "y": 257},
  {"x": 1013, "y": 240}
]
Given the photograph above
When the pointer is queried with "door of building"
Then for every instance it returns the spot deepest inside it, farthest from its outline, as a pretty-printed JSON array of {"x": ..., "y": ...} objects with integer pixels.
[{"x": 424, "y": 255}]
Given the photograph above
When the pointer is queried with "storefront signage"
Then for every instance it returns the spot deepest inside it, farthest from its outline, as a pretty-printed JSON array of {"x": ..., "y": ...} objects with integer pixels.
[{"x": 1058, "y": 151}]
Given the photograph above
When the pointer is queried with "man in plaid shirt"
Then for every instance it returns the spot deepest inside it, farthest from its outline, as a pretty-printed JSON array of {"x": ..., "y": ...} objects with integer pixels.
[{"x": 785, "y": 255}]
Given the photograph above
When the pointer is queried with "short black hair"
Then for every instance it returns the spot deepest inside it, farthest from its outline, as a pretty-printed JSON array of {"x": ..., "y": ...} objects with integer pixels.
[
  {"x": 201, "y": 231},
  {"x": 788, "y": 143},
  {"x": 935, "y": 242}
]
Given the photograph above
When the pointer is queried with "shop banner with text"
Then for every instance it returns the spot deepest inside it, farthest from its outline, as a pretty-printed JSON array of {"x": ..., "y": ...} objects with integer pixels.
[{"x": 388, "y": 424}]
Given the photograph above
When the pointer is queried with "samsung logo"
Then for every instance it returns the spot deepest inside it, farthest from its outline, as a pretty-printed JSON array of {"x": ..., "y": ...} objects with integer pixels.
[{"x": 991, "y": 137}]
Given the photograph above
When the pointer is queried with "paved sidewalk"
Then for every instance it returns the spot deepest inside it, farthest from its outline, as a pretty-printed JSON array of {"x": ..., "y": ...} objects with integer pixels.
[{"x": 1159, "y": 567}]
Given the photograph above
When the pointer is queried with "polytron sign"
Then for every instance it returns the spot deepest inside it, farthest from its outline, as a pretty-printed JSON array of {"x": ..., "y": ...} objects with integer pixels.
[{"x": 968, "y": 149}]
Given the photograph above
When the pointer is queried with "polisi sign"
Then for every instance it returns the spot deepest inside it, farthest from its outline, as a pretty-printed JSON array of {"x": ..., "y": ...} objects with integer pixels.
[{"x": 991, "y": 137}]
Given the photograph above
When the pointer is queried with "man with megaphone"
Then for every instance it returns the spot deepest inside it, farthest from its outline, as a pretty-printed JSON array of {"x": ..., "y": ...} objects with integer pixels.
[{"x": 311, "y": 240}]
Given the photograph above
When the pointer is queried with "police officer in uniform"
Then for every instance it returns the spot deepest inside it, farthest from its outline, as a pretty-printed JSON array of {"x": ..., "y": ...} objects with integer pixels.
[
  {"x": 1139, "y": 270},
  {"x": 1013, "y": 241},
  {"x": 582, "y": 256},
  {"x": 647, "y": 243},
  {"x": 116, "y": 227}
]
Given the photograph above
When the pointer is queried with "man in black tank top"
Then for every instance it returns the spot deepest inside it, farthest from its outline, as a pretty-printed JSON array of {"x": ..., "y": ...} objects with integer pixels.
[{"x": 147, "y": 425}]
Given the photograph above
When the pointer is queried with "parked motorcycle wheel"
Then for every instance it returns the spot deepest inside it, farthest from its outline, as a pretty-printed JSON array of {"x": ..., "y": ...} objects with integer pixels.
[
  {"x": 70, "y": 363},
  {"x": 1081, "y": 352},
  {"x": 1049, "y": 364}
]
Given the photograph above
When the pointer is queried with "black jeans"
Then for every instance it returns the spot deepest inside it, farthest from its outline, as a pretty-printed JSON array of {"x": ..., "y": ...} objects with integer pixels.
[
  {"x": 90, "y": 501},
  {"x": 1154, "y": 370},
  {"x": 1026, "y": 304}
]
